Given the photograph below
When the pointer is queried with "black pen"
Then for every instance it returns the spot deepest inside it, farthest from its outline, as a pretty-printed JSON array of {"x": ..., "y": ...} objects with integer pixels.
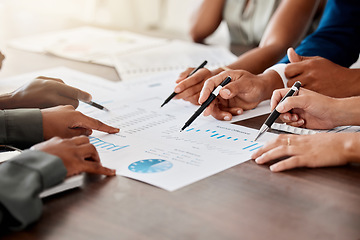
[
  {"x": 94, "y": 104},
  {"x": 174, "y": 93},
  {"x": 211, "y": 98},
  {"x": 275, "y": 114}
]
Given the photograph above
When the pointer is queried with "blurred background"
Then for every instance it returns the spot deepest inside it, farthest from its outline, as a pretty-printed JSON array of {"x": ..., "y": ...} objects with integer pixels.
[{"x": 168, "y": 18}]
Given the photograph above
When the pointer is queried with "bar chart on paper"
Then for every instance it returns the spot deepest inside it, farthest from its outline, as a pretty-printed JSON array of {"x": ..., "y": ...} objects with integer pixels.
[
  {"x": 249, "y": 144},
  {"x": 102, "y": 145},
  {"x": 229, "y": 141}
]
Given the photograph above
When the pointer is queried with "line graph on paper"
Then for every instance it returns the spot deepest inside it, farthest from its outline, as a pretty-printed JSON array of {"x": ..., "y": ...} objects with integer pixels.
[{"x": 102, "y": 145}]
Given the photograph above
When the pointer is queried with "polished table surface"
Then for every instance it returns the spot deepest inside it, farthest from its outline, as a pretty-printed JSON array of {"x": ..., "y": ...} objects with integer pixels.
[{"x": 244, "y": 202}]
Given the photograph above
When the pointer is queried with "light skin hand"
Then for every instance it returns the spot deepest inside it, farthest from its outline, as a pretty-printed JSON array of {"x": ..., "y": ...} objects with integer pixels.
[
  {"x": 77, "y": 154},
  {"x": 244, "y": 92},
  {"x": 307, "y": 109},
  {"x": 46, "y": 92},
  {"x": 65, "y": 122},
  {"x": 318, "y": 150},
  {"x": 322, "y": 76},
  {"x": 189, "y": 88}
]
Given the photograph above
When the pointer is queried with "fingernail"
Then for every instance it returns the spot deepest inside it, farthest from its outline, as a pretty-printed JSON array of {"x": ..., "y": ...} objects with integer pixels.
[
  {"x": 226, "y": 118},
  {"x": 286, "y": 118},
  {"x": 88, "y": 98},
  {"x": 274, "y": 168},
  {"x": 239, "y": 111},
  {"x": 301, "y": 122},
  {"x": 258, "y": 160},
  {"x": 226, "y": 91},
  {"x": 88, "y": 132},
  {"x": 116, "y": 130},
  {"x": 177, "y": 90},
  {"x": 294, "y": 118}
]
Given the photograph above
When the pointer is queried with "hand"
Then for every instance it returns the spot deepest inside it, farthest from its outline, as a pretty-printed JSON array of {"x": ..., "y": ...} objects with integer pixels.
[
  {"x": 65, "y": 122},
  {"x": 318, "y": 150},
  {"x": 77, "y": 154},
  {"x": 321, "y": 75},
  {"x": 244, "y": 92},
  {"x": 46, "y": 92},
  {"x": 189, "y": 88},
  {"x": 308, "y": 109}
]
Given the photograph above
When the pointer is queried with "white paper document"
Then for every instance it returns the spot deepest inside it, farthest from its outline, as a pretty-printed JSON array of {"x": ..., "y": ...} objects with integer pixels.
[
  {"x": 176, "y": 56},
  {"x": 150, "y": 146}
]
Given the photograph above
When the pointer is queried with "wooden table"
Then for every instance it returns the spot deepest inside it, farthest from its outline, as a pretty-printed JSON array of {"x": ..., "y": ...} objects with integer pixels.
[{"x": 243, "y": 202}]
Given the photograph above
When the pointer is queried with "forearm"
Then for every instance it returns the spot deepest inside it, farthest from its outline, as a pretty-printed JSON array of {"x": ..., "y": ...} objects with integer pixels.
[
  {"x": 21, "y": 127},
  {"x": 22, "y": 179},
  {"x": 346, "y": 111},
  {"x": 206, "y": 19},
  {"x": 259, "y": 58}
]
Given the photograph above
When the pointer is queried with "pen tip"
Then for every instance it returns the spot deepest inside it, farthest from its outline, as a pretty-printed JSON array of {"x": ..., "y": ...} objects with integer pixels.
[{"x": 162, "y": 105}]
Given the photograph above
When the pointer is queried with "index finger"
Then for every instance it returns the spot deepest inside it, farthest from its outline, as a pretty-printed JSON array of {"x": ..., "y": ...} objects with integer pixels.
[
  {"x": 294, "y": 69},
  {"x": 97, "y": 168},
  {"x": 72, "y": 92},
  {"x": 84, "y": 121},
  {"x": 276, "y": 97},
  {"x": 210, "y": 85},
  {"x": 184, "y": 74},
  {"x": 188, "y": 82}
]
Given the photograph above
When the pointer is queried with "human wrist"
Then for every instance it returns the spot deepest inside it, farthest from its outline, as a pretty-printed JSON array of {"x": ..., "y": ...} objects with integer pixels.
[
  {"x": 345, "y": 112},
  {"x": 270, "y": 81},
  {"x": 6, "y": 101},
  {"x": 280, "y": 70}
]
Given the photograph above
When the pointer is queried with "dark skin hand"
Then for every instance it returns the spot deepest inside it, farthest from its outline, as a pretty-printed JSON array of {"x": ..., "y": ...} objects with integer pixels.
[
  {"x": 65, "y": 122},
  {"x": 322, "y": 76},
  {"x": 44, "y": 92},
  {"x": 77, "y": 154}
]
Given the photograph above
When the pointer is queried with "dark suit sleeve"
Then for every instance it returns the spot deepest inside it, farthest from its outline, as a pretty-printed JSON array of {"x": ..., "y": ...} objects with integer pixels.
[
  {"x": 338, "y": 36},
  {"x": 21, "y": 127},
  {"x": 22, "y": 179}
]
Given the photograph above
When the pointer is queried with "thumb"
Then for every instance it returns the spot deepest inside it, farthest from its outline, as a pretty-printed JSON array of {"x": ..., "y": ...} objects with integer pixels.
[{"x": 294, "y": 57}]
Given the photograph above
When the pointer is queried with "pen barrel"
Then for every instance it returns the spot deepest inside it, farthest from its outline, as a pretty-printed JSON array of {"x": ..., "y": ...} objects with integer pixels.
[
  {"x": 271, "y": 118},
  {"x": 200, "y": 109}
]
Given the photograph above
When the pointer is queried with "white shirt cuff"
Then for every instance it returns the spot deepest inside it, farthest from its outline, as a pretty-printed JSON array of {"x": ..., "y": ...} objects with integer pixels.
[{"x": 280, "y": 69}]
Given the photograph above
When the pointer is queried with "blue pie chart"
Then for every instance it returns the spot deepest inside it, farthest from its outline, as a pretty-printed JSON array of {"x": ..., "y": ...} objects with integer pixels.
[{"x": 150, "y": 166}]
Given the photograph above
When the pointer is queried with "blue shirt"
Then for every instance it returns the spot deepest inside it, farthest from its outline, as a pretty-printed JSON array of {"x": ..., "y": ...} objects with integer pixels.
[{"x": 338, "y": 36}]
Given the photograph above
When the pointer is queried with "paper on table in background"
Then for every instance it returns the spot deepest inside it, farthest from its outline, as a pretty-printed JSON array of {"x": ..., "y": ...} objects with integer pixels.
[
  {"x": 87, "y": 44},
  {"x": 303, "y": 131},
  {"x": 174, "y": 56}
]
